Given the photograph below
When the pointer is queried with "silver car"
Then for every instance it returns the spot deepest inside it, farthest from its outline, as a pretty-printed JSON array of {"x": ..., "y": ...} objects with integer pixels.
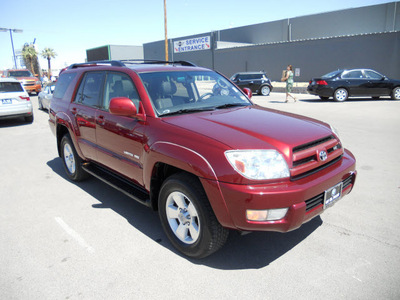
[
  {"x": 14, "y": 100},
  {"x": 45, "y": 96}
]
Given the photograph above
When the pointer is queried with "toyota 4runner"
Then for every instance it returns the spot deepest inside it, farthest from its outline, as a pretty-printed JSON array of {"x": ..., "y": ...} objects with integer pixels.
[{"x": 190, "y": 144}]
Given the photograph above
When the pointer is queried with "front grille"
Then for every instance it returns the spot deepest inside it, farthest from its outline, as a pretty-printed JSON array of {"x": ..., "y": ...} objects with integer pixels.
[
  {"x": 319, "y": 199},
  {"x": 307, "y": 159}
]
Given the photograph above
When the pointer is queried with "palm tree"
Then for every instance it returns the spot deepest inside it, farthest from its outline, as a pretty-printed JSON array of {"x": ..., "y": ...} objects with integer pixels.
[
  {"x": 49, "y": 54},
  {"x": 29, "y": 53}
]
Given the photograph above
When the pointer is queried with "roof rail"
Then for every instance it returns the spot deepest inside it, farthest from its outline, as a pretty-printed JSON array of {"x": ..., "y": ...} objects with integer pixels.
[
  {"x": 155, "y": 61},
  {"x": 114, "y": 63}
]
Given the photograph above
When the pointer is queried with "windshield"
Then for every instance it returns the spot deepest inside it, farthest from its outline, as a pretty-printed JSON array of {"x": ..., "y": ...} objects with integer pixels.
[
  {"x": 185, "y": 92},
  {"x": 20, "y": 74},
  {"x": 332, "y": 74}
]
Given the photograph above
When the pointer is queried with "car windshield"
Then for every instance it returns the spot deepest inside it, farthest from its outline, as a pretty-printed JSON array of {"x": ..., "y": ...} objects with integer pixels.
[
  {"x": 9, "y": 87},
  {"x": 332, "y": 74},
  {"x": 185, "y": 92},
  {"x": 20, "y": 74}
]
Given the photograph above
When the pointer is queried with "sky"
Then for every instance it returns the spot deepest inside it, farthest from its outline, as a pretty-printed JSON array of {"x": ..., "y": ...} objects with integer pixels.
[{"x": 70, "y": 27}]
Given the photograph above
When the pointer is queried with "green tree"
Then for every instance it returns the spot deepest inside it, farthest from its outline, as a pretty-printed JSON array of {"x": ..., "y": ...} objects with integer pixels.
[
  {"x": 30, "y": 56},
  {"x": 48, "y": 53}
]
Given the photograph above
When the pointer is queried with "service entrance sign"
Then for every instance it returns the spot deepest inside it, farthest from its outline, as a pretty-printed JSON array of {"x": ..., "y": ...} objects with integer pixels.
[{"x": 195, "y": 44}]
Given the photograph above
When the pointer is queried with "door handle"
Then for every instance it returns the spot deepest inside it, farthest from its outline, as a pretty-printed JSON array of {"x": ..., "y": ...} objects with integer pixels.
[{"x": 100, "y": 120}]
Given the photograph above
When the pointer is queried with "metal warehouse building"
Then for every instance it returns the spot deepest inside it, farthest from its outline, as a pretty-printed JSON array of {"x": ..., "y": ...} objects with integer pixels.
[{"x": 364, "y": 37}]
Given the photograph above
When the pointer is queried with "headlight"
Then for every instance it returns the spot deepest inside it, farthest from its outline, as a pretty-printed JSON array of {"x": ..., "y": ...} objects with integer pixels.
[
  {"x": 334, "y": 130},
  {"x": 258, "y": 164}
]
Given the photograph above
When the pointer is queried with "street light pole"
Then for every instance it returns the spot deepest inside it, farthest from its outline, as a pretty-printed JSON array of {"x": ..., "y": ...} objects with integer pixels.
[
  {"x": 12, "y": 43},
  {"x": 165, "y": 29}
]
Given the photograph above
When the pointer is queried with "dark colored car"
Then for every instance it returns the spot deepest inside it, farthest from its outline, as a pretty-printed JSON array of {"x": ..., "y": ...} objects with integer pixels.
[
  {"x": 342, "y": 84},
  {"x": 187, "y": 142},
  {"x": 257, "y": 82}
]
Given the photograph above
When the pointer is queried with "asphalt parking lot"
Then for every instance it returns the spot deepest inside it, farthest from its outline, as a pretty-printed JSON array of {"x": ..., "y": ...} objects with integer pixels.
[{"x": 63, "y": 240}]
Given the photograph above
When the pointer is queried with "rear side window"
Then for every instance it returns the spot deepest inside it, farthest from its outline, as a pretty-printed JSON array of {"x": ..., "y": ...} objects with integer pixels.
[
  {"x": 90, "y": 89},
  {"x": 62, "y": 84},
  {"x": 353, "y": 75},
  {"x": 8, "y": 87}
]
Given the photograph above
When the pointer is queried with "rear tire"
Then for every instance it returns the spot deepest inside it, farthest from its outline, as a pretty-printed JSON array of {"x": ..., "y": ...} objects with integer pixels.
[
  {"x": 396, "y": 93},
  {"x": 340, "y": 95},
  {"x": 187, "y": 217},
  {"x": 265, "y": 90},
  {"x": 71, "y": 160},
  {"x": 29, "y": 119}
]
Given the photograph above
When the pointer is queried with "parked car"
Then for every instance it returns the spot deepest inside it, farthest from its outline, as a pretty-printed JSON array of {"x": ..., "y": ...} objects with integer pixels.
[
  {"x": 14, "y": 100},
  {"x": 31, "y": 83},
  {"x": 342, "y": 84},
  {"x": 257, "y": 82},
  {"x": 45, "y": 96},
  {"x": 187, "y": 142}
]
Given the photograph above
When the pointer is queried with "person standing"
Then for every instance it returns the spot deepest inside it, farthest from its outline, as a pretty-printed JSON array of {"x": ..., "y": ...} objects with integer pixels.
[{"x": 289, "y": 83}]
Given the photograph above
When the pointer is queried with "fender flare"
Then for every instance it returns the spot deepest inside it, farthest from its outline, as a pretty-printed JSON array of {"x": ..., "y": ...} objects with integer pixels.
[
  {"x": 188, "y": 160},
  {"x": 62, "y": 119}
]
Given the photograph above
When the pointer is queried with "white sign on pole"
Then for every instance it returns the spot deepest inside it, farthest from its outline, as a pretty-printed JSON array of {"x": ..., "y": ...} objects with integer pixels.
[{"x": 194, "y": 44}]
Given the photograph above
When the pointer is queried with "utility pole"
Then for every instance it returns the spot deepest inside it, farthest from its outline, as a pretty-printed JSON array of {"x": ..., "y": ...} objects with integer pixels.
[{"x": 165, "y": 29}]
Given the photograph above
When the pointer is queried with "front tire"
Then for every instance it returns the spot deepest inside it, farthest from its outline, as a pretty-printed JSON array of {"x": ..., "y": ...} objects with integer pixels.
[
  {"x": 187, "y": 217},
  {"x": 71, "y": 160},
  {"x": 396, "y": 93},
  {"x": 340, "y": 95}
]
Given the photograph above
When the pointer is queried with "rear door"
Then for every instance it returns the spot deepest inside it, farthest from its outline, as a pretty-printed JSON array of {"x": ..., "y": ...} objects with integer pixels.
[
  {"x": 85, "y": 107},
  {"x": 355, "y": 82}
]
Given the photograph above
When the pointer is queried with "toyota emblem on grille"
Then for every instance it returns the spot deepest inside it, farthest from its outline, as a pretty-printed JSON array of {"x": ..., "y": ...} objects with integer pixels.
[{"x": 323, "y": 155}]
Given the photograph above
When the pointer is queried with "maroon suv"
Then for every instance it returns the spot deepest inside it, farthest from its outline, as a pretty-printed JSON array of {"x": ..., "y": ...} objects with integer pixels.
[{"x": 187, "y": 142}]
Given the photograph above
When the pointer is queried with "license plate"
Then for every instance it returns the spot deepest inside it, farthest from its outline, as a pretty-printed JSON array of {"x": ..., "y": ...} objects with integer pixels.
[
  {"x": 333, "y": 195},
  {"x": 6, "y": 101}
]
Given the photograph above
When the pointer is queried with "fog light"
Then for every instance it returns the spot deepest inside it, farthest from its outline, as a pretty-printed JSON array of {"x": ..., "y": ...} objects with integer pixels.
[{"x": 266, "y": 215}]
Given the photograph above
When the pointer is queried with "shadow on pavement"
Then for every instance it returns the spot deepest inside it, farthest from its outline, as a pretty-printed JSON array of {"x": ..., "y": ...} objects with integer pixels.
[{"x": 252, "y": 251}]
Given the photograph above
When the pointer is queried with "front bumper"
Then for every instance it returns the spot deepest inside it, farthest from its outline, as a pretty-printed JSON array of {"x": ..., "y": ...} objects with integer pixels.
[
  {"x": 32, "y": 88},
  {"x": 303, "y": 197}
]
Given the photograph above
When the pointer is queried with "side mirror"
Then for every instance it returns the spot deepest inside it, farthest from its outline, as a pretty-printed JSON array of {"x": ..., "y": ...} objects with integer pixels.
[
  {"x": 123, "y": 106},
  {"x": 248, "y": 92}
]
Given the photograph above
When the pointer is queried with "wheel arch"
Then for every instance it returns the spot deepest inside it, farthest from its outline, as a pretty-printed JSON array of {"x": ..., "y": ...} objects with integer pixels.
[{"x": 166, "y": 159}]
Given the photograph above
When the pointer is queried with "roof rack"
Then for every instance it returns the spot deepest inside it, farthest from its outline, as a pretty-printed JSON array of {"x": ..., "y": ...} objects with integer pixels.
[
  {"x": 114, "y": 63},
  {"x": 121, "y": 63},
  {"x": 156, "y": 61}
]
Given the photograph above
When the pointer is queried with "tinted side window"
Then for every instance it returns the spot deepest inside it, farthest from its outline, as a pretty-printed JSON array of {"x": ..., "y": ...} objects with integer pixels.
[
  {"x": 119, "y": 85},
  {"x": 62, "y": 84},
  {"x": 353, "y": 75},
  {"x": 90, "y": 89},
  {"x": 373, "y": 75}
]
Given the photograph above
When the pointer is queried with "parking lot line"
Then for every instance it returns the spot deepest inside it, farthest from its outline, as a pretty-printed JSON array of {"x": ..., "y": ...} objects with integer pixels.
[{"x": 74, "y": 235}]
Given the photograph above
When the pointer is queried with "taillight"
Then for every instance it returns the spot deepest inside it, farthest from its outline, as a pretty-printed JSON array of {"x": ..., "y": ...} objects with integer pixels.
[
  {"x": 25, "y": 98},
  {"x": 322, "y": 82}
]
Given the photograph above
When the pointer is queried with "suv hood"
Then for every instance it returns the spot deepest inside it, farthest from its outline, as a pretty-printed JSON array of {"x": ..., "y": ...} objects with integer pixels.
[{"x": 253, "y": 127}]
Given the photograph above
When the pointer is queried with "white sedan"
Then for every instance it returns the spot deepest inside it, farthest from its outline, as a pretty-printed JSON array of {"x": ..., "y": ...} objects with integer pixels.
[{"x": 44, "y": 97}]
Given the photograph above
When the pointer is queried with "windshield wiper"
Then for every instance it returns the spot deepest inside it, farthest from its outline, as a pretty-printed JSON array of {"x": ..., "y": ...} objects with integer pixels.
[
  {"x": 186, "y": 110},
  {"x": 226, "y": 105}
]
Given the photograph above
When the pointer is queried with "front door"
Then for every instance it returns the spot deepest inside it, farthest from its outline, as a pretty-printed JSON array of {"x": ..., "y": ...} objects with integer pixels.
[{"x": 120, "y": 140}]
